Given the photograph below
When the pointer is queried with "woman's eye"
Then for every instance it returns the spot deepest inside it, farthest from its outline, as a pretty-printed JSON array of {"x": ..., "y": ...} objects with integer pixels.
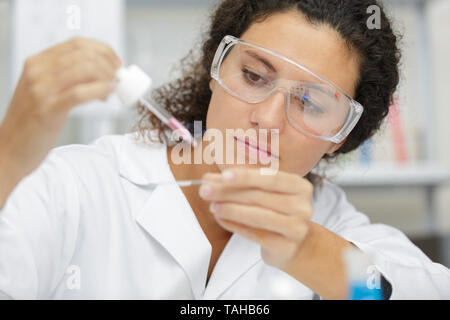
[
  {"x": 307, "y": 105},
  {"x": 254, "y": 78}
]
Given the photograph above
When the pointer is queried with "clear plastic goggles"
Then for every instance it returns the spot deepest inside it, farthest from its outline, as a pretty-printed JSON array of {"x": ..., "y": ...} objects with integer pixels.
[{"x": 314, "y": 105}]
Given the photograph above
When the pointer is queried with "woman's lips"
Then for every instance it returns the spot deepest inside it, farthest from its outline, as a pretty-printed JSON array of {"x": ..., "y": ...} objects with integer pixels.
[{"x": 261, "y": 150}]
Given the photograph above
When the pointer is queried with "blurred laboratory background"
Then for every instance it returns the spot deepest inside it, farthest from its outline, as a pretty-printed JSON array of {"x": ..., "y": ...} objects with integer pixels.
[{"x": 401, "y": 177}]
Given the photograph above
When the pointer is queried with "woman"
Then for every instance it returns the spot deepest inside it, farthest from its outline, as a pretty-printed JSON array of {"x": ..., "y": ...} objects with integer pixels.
[{"x": 93, "y": 222}]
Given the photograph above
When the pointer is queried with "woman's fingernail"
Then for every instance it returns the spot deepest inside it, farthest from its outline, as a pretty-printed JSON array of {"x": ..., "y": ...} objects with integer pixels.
[
  {"x": 228, "y": 175},
  {"x": 205, "y": 191},
  {"x": 214, "y": 207}
]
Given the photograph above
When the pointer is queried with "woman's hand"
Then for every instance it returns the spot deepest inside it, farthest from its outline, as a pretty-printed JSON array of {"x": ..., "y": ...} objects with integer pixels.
[
  {"x": 52, "y": 82},
  {"x": 273, "y": 210}
]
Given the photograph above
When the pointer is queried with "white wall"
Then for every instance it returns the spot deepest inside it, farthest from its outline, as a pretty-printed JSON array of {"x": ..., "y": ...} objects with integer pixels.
[
  {"x": 440, "y": 39},
  {"x": 159, "y": 36},
  {"x": 4, "y": 58}
]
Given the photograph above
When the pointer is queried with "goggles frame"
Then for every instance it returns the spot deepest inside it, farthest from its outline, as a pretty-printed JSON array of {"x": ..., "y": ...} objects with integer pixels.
[{"x": 355, "y": 108}]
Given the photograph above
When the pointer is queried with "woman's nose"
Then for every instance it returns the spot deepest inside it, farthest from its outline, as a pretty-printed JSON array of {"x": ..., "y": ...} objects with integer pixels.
[{"x": 270, "y": 114}]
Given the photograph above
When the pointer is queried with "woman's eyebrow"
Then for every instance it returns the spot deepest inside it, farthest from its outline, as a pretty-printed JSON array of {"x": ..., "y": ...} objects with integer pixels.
[
  {"x": 263, "y": 60},
  {"x": 322, "y": 88},
  {"x": 272, "y": 68}
]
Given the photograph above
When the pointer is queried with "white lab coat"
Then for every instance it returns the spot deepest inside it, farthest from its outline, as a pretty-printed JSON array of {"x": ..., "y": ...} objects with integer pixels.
[{"x": 79, "y": 227}]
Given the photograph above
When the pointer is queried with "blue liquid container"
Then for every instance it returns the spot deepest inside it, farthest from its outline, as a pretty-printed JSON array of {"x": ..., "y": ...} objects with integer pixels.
[{"x": 358, "y": 290}]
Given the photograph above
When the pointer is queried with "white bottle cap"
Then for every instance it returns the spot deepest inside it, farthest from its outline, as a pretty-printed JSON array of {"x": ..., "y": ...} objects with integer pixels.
[{"x": 132, "y": 84}]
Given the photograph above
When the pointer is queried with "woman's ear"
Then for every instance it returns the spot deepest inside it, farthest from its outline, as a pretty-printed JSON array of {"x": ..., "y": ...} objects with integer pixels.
[
  {"x": 211, "y": 84},
  {"x": 334, "y": 147}
]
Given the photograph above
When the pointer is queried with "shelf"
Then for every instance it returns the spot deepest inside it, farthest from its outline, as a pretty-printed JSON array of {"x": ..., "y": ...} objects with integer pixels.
[{"x": 384, "y": 175}]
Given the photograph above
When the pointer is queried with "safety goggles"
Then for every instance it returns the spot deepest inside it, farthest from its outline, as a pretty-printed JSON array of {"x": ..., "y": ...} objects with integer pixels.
[{"x": 314, "y": 105}]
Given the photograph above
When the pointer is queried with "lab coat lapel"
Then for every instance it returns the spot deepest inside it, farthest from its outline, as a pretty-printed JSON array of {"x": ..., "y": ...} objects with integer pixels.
[
  {"x": 238, "y": 257},
  {"x": 166, "y": 214},
  {"x": 168, "y": 218}
]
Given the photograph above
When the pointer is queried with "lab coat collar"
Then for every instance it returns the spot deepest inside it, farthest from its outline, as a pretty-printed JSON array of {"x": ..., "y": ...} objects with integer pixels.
[
  {"x": 139, "y": 160},
  {"x": 167, "y": 216},
  {"x": 169, "y": 219},
  {"x": 239, "y": 256}
]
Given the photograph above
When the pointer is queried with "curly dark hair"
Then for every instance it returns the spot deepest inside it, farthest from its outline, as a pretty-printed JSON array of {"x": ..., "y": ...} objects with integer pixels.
[{"x": 188, "y": 97}]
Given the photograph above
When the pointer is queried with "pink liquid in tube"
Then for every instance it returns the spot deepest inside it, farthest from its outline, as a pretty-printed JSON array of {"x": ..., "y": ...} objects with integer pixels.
[
  {"x": 170, "y": 121},
  {"x": 176, "y": 125}
]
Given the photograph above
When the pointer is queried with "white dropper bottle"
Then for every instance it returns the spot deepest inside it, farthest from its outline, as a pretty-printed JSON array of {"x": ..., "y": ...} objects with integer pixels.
[{"x": 133, "y": 84}]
